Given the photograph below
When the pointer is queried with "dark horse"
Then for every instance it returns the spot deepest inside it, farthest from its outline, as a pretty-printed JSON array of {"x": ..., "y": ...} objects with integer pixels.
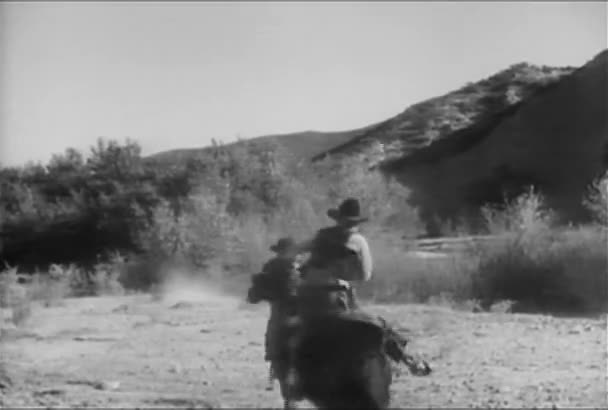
[{"x": 335, "y": 358}]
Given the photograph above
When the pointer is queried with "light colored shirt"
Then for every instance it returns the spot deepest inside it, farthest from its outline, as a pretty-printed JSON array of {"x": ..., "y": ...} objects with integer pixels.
[
  {"x": 364, "y": 262},
  {"x": 358, "y": 244}
]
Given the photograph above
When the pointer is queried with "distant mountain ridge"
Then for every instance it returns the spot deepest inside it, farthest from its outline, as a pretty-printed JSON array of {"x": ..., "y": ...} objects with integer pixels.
[{"x": 304, "y": 145}]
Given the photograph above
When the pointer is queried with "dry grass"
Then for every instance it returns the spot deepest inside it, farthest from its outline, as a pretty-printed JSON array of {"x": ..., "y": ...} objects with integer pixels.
[
  {"x": 400, "y": 276},
  {"x": 550, "y": 271},
  {"x": 564, "y": 272},
  {"x": 542, "y": 267},
  {"x": 18, "y": 291}
]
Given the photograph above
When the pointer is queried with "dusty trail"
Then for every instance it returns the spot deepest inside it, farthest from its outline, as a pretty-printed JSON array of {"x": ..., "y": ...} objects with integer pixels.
[{"x": 197, "y": 347}]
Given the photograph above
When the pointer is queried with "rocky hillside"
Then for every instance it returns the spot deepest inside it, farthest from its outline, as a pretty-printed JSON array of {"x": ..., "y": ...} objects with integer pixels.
[
  {"x": 554, "y": 136},
  {"x": 438, "y": 118}
]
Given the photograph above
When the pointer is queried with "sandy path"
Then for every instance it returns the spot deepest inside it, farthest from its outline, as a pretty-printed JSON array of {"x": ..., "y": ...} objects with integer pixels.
[{"x": 132, "y": 351}]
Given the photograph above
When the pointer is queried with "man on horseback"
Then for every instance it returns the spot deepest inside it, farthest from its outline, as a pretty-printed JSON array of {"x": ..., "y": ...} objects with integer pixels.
[
  {"x": 339, "y": 253},
  {"x": 274, "y": 280},
  {"x": 329, "y": 350}
]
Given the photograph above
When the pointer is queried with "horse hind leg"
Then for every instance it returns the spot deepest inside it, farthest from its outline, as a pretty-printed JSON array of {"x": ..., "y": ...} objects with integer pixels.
[
  {"x": 289, "y": 404},
  {"x": 271, "y": 378},
  {"x": 288, "y": 388},
  {"x": 371, "y": 390}
]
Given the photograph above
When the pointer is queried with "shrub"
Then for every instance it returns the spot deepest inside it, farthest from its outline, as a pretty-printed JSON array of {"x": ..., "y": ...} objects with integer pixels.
[
  {"x": 536, "y": 265},
  {"x": 141, "y": 273},
  {"x": 561, "y": 272},
  {"x": 106, "y": 276},
  {"x": 52, "y": 287},
  {"x": 526, "y": 213},
  {"x": 597, "y": 200},
  {"x": 216, "y": 229},
  {"x": 219, "y": 214}
]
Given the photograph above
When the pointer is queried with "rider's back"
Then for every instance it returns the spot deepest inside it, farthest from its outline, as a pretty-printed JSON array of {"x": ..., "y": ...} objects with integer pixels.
[{"x": 338, "y": 253}]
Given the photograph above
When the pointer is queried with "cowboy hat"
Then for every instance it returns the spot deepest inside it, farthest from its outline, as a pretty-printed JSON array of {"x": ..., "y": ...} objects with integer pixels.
[
  {"x": 284, "y": 244},
  {"x": 349, "y": 210}
]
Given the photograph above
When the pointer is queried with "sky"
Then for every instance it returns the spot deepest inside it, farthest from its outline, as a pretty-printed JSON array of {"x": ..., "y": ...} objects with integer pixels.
[{"x": 174, "y": 75}]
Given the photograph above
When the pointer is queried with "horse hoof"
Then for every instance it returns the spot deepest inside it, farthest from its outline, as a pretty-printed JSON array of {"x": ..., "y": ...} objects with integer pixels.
[
  {"x": 289, "y": 405},
  {"x": 423, "y": 369}
]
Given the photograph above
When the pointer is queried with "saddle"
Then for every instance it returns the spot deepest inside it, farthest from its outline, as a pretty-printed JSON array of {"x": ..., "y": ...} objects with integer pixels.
[{"x": 322, "y": 298}]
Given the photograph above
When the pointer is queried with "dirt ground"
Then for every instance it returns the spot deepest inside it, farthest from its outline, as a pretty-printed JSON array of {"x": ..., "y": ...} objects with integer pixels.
[{"x": 196, "y": 347}]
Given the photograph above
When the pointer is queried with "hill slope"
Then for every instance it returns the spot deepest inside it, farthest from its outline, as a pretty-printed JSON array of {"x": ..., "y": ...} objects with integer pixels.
[
  {"x": 438, "y": 118},
  {"x": 557, "y": 139}
]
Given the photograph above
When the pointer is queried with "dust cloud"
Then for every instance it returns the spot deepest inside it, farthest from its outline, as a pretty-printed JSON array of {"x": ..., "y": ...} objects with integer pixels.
[{"x": 182, "y": 286}]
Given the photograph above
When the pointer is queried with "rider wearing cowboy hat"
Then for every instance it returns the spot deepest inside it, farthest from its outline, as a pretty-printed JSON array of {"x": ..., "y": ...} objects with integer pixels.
[
  {"x": 278, "y": 271},
  {"x": 339, "y": 252}
]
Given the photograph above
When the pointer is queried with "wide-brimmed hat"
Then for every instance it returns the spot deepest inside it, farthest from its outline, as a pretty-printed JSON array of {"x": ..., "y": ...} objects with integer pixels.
[
  {"x": 283, "y": 245},
  {"x": 349, "y": 210}
]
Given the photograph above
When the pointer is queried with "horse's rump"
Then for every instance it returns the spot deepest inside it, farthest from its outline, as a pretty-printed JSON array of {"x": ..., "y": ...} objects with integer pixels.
[
  {"x": 341, "y": 357},
  {"x": 337, "y": 339}
]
